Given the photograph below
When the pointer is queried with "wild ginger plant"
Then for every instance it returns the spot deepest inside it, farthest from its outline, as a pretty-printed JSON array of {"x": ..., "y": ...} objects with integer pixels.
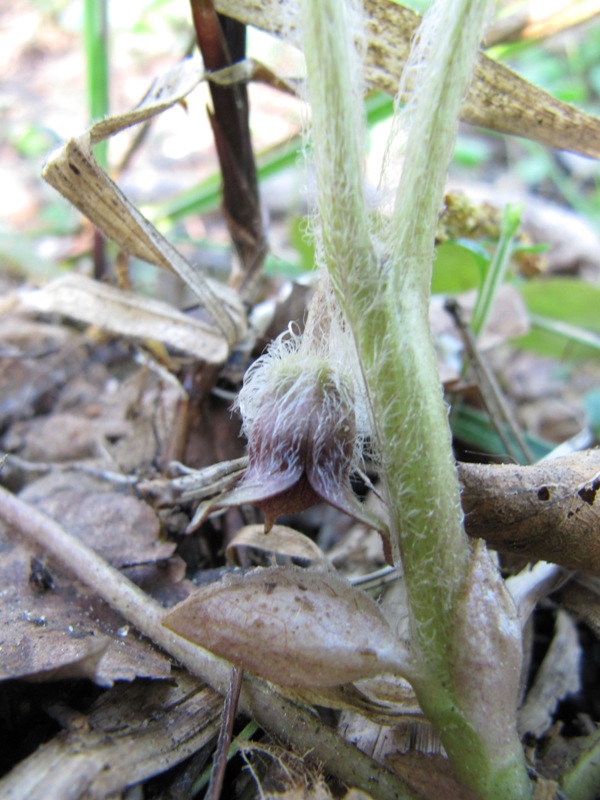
[
  {"x": 465, "y": 636},
  {"x": 362, "y": 374},
  {"x": 365, "y": 371}
]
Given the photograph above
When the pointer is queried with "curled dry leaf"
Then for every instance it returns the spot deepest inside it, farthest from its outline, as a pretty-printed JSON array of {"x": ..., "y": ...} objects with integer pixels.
[
  {"x": 532, "y": 584},
  {"x": 558, "y": 677},
  {"x": 250, "y": 547},
  {"x": 292, "y": 626},
  {"x": 132, "y": 732},
  {"x": 129, "y": 314},
  {"x": 73, "y": 171},
  {"x": 497, "y": 98}
]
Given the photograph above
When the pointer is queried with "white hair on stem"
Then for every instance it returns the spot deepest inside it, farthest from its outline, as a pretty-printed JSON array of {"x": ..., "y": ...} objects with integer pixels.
[{"x": 426, "y": 130}]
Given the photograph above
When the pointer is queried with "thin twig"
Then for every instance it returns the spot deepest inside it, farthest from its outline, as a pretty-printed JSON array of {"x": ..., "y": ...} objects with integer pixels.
[
  {"x": 490, "y": 391},
  {"x": 540, "y": 21},
  {"x": 45, "y": 467},
  {"x": 229, "y": 714}
]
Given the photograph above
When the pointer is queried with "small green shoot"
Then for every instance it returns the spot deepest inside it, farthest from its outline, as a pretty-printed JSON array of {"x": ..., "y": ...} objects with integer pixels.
[
  {"x": 96, "y": 54},
  {"x": 496, "y": 273}
]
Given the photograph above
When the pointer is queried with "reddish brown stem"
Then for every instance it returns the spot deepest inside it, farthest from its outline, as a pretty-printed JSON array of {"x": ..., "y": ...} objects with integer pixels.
[
  {"x": 229, "y": 713},
  {"x": 222, "y": 41}
]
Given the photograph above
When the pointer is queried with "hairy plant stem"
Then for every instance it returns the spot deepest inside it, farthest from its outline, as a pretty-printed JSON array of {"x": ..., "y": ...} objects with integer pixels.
[{"x": 386, "y": 301}]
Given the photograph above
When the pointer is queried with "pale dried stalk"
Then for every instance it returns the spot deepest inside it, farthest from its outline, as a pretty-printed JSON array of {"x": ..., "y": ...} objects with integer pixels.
[{"x": 284, "y": 719}]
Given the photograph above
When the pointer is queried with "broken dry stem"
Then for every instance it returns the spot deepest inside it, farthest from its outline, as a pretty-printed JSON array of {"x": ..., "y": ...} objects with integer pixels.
[
  {"x": 232, "y": 697},
  {"x": 293, "y": 724}
]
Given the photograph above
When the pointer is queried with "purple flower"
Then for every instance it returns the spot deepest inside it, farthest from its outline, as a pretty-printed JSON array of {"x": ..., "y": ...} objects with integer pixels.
[{"x": 301, "y": 447}]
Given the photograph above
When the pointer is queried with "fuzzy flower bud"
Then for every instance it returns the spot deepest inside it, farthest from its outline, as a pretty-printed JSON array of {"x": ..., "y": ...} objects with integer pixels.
[
  {"x": 305, "y": 433},
  {"x": 302, "y": 441}
]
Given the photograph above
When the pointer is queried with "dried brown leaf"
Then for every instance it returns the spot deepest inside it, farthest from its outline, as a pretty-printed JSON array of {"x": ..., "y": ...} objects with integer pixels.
[
  {"x": 292, "y": 626},
  {"x": 132, "y": 732},
  {"x": 128, "y": 314},
  {"x": 122, "y": 528},
  {"x": 557, "y": 677},
  {"x": 412, "y": 750},
  {"x": 60, "y": 629},
  {"x": 61, "y": 437},
  {"x": 73, "y": 171},
  {"x": 36, "y": 359},
  {"x": 498, "y": 98},
  {"x": 251, "y": 547}
]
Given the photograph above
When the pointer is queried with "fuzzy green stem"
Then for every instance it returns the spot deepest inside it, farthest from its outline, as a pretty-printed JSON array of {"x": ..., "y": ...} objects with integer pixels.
[
  {"x": 335, "y": 91},
  {"x": 386, "y": 301},
  {"x": 421, "y": 475}
]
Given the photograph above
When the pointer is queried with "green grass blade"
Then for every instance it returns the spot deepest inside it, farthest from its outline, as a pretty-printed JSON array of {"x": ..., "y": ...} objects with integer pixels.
[{"x": 96, "y": 55}]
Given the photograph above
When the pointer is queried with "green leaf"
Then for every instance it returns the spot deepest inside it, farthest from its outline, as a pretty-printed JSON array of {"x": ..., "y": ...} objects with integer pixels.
[
  {"x": 495, "y": 275},
  {"x": 476, "y": 433},
  {"x": 459, "y": 266},
  {"x": 565, "y": 313}
]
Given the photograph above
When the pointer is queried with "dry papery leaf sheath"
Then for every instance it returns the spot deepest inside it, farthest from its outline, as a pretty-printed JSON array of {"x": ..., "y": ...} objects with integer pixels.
[{"x": 498, "y": 98}]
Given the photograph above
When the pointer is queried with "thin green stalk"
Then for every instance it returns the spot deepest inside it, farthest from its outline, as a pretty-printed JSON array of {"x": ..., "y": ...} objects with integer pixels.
[
  {"x": 96, "y": 55},
  {"x": 343, "y": 237},
  {"x": 496, "y": 273}
]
